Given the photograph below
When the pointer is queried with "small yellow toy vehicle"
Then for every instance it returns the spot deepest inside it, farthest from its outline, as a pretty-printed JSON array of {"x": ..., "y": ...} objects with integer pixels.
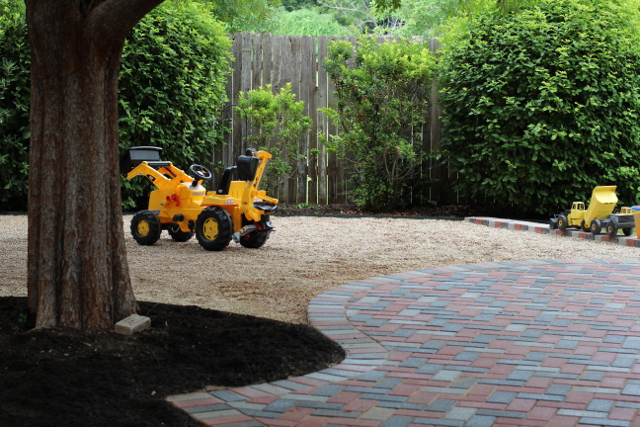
[
  {"x": 598, "y": 215},
  {"x": 181, "y": 205}
]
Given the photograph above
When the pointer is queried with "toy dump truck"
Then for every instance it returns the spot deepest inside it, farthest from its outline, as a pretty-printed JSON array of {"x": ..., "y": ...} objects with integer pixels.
[
  {"x": 599, "y": 215},
  {"x": 181, "y": 205}
]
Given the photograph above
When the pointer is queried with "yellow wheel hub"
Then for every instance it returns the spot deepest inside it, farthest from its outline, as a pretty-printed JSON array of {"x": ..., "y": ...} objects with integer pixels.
[
  {"x": 210, "y": 229},
  {"x": 143, "y": 228}
]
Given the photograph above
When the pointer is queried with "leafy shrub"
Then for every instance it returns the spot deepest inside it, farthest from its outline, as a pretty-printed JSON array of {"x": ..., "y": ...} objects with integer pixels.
[
  {"x": 279, "y": 124},
  {"x": 310, "y": 22},
  {"x": 542, "y": 106},
  {"x": 382, "y": 95},
  {"x": 172, "y": 88},
  {"x": 14, "y": 106},
  {"x": 174, "y": 69}
]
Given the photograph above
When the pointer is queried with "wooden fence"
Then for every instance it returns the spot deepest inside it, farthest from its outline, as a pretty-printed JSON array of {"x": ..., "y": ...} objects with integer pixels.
[{"x": 262, "y": 59}]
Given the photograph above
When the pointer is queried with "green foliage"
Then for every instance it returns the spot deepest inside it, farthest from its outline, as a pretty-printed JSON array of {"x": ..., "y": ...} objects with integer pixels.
[
  {"x": 382, "y": 99},
  {"x": 171, "y": 91},
  {"x": 241, "y": 15},
  {"x": 279, "y": 124},
  {"x": 542, "y": 106},
  {"x": 310, "y": 22},
  {"x": 425, "y": 18},
  {"x": 14, "y": 106},
  {"x": 172, "y": 88}
]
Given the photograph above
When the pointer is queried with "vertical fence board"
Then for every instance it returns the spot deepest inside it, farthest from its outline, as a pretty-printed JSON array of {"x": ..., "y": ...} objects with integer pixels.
[
  {"x": 307, "y": 45},
  {"x": 333, "y": 176},
  {"x": 322, "y": 123},
  {"x": 311, "y": 106}
]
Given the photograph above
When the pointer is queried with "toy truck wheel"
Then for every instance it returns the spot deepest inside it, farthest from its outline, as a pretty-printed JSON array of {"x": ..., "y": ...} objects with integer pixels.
[
  {"x": 179, "y": 235},
  {"x": 214, "y": 228},
  {"x": 145, "y": 228},
  {"x": 596, "y": 226},
  {"x": 611, "y": 229},
  {"x": 627, "y": 231},
  {"x": 584, "y": 226},
  {"x": 562, "y": 222}
]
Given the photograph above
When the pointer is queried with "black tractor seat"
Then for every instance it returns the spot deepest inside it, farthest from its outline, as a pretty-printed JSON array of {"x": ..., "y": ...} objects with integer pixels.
[
  {"x": 136, "y": 155},
  {"x": 266, "y": 207}
]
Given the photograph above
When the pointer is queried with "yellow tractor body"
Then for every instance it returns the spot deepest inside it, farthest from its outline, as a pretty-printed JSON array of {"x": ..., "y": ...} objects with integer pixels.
[{"x": 237, "y": 210}]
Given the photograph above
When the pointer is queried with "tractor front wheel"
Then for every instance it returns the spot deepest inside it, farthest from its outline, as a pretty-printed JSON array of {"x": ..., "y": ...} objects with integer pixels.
[
  {"x": 178, "y": 235},
  {"x": 596, "y": 226},
  {"x": 145, "y": 228},
  {"x": 214, "y": 228}
]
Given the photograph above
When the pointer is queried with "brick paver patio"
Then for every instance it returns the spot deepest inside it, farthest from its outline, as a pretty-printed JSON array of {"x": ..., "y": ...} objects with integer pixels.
[{"x": 532, "y": 343}]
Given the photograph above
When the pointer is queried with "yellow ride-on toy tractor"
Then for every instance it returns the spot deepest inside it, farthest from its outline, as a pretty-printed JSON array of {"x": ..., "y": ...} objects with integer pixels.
[{"x": 181, "y": 205}]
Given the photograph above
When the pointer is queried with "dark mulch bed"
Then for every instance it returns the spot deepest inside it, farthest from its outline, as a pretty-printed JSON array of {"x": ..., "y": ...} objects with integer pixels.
[{"x": 66, "y": 378}]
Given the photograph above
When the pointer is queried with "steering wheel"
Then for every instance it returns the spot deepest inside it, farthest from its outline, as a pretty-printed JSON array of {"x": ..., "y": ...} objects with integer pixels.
[{"x": 200, "y": 172}]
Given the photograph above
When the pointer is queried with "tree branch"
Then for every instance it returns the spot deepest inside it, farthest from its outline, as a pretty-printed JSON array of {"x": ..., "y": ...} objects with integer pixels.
[{"x": 115, "y": 18}]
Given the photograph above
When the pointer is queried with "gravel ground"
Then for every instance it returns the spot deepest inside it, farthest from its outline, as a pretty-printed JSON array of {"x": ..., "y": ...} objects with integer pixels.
[{"x": 304, "y": 257}]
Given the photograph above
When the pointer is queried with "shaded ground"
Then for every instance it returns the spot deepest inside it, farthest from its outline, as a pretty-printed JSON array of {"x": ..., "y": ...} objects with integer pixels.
[
  {"x": 64, "y": 378},
  {"x": 444, "y": 211}
]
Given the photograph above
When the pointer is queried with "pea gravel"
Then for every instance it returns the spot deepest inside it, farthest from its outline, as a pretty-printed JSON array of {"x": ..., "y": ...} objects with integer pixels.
[{"x": 304, "y": 257}]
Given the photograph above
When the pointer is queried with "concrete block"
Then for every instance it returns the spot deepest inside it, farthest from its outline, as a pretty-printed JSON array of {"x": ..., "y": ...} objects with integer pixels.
[{"x": 132, "y": 324}]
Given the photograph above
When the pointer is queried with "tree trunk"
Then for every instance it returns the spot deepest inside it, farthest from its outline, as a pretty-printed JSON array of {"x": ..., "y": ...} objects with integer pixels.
[{"x": 77, "y": 268}]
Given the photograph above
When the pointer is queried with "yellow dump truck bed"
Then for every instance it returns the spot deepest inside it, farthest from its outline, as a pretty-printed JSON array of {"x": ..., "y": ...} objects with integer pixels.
[{"x": 603, "y": 202}]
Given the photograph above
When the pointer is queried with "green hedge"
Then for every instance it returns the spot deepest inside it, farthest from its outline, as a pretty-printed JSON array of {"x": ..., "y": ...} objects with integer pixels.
[
  {"x": 172, "y": 88},
  {"x": 542, "y": 106},
  {"x": 174, "y": 70},
  {"x": 382, "y": 94},
  {"x": 14, "y": 106}
]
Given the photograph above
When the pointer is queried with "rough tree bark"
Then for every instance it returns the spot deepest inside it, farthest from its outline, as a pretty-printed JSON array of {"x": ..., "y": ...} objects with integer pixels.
[{"x": 77, "y": 269}]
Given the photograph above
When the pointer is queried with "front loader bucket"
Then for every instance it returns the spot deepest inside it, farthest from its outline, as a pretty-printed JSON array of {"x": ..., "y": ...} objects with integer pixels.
[{"x": 603, "y": 202}]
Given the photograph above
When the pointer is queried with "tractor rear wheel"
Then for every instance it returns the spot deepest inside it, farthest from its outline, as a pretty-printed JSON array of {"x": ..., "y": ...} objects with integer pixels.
[
  {"x": 214, "y": 228},
  {"x": 612, "y": 230},
  {"x": 596, "y": 226},
  {"x": 627, "y": 231},
  {"x": 257, "y": 239},
  {"x": 178, "y": 235},
  {"x": 145, "y": 228}
]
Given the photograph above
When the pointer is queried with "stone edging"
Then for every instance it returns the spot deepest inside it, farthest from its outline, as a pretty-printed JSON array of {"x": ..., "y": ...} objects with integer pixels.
[{"x": 512, "y": 224}]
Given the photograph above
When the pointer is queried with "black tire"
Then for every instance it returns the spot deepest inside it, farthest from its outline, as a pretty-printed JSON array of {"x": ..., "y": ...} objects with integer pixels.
[
  {"x": 553, "y": 224},
  {"x": 596, "y": 226},
  {"x": 584, "y": 226},
  {"x": 611, "y": 229},
  {"x": 214, "y": 228},
  {"x": 145, "y": 228},
  {"x": 257, "y": 239},
  {"x": 179, "y": 235},
  {"x": 562, "y": 222},
  {"x": 627, "y": 231}
]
